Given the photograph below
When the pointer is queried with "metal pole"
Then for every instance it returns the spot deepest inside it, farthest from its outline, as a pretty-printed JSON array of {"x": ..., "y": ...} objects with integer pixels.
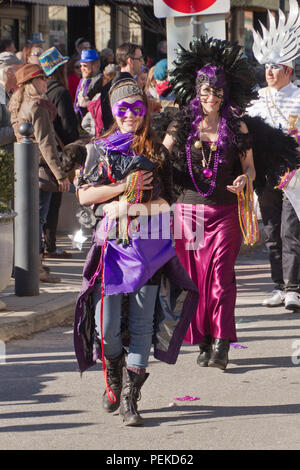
[
  {"x": 27, "y": 220},
  {"x": 196, "y": 24}
]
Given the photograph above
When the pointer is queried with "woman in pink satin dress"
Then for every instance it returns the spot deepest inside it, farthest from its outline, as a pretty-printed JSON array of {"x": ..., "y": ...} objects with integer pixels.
[{"x": 212, "y": 161}]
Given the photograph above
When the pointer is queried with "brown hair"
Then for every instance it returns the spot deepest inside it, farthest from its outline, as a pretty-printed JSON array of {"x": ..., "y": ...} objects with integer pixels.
[
  {"x": 150, "y": 79},
  {"x": 126, "y": 50},
  {"x": 60, "y": 74},
  {"x": 145, "y": 139}
]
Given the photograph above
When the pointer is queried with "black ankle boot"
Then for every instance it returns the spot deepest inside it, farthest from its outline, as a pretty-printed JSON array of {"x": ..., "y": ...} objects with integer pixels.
[
  {"x": 114, "y": 368},
  {"x": 205, "y": 351},
  {"x": 219, "y": 357},
  {"x": 131, "y": 393}
]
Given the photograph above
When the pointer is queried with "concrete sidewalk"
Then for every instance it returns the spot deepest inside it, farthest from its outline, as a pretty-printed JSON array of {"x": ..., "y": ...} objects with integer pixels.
[{"x": 54, "y": 305}]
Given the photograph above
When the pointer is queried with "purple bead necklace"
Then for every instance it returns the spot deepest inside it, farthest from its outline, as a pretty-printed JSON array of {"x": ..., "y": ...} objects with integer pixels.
[{"x": 207, "y": 173}]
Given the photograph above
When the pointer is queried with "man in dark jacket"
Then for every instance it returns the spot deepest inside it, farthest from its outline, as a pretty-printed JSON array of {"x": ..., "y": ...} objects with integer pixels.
[{"x": 65, "y": 123}]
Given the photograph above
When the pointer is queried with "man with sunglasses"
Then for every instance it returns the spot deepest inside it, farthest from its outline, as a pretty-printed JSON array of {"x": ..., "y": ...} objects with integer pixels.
[
  {"x": 130, "y": 59},
  {"x": 279, "y": 105},
  {"x": 90, "y": 84}
]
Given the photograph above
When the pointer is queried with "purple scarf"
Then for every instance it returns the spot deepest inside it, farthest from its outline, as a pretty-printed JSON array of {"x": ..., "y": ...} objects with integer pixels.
[
  {"x": 118, "y": 141},
  {"x": 84, "y": 82}
]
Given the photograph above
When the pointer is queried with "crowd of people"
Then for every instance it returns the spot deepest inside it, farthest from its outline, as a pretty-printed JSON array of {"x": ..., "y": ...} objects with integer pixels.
[
  {"x": 77, "y": 87},
  {"x": 93, "y": 118}
]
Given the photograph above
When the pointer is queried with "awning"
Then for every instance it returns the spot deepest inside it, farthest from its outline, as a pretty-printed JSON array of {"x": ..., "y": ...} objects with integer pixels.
[
  {"x": 145, "y": 3},
  {"x": 249, "y": 4},
  {"x": 62, "y": 3}
]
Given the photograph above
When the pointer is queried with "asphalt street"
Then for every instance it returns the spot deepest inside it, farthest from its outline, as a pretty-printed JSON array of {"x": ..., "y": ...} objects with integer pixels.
[{"x": 46, "y": 405}]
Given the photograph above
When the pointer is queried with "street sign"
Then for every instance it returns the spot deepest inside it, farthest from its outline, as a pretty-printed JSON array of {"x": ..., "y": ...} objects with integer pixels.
[{"x": 169, "y": 8}]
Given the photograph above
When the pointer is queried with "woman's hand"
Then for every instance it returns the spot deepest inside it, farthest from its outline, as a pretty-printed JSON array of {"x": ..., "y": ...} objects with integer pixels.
[
  {"x": 147, "y": 177},
  {"x": 238, "y": 184},
  {"x": 115, "y": 209},
  {"x": 64, "y": 185},
  {"x": 83, "y": 101}
]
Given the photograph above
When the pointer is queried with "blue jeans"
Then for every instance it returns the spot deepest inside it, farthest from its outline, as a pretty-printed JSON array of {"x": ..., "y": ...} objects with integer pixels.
[
  {"x": 44, "y": 204},
  {"x": 141, "y": 313}
]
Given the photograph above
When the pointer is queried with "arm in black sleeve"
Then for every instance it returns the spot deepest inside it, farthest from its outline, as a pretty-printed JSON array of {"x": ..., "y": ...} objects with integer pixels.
[
  {"x": 65, "y": 123},
  {"x": 166, "y": 175}
]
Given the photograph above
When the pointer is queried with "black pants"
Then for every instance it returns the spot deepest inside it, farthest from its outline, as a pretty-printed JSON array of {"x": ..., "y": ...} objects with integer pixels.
[
  {"x": 282, "y": 229},
  {"x": 50, "y": 226}
]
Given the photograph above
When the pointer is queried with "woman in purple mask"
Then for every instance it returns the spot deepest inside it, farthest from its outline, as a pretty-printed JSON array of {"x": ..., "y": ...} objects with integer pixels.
[
  {"x": 127, "y": 183},
  {"x": 212, "y": 162}
]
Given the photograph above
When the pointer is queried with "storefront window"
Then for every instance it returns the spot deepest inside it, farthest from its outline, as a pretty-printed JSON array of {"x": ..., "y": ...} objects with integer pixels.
[
  {"x": 7, "y": 28},
  {"x": 22, "y": 33},
  {"x": 102, "y": 27},
  {"x": 135, "y": 27},
  {"x": 58, "y": 34}
]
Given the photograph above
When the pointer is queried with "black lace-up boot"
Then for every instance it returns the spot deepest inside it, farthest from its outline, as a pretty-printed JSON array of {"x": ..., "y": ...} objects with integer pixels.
[
  {"x": 205, "y": 351},
  {"x": 114, "y": 368},
  {"x": 130, "y": 395}
]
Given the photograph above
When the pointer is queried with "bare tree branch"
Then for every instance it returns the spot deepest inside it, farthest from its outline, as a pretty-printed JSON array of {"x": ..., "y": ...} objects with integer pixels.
[{"x": 139, "y": 15}]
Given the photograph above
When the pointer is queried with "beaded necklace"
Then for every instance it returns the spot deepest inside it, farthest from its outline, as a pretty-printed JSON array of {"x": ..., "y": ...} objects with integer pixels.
[
  {"x": 207, "y": 172},
  {"x": 133, "y": 194},
  {"x": 247, "y": 215},
  {"x": 269, "y": 95}
]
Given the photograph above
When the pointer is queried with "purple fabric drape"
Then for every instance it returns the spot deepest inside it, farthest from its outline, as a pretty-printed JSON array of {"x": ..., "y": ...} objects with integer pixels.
[{"x": 128, "y": 268}]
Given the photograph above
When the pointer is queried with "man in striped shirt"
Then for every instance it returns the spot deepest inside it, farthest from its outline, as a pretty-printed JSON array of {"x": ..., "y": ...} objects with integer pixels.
[{"x": 278, "y": 105}]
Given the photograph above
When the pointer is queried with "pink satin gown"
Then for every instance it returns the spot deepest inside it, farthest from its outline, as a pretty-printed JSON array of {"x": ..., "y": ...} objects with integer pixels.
[{"x": 210, "y": 261}]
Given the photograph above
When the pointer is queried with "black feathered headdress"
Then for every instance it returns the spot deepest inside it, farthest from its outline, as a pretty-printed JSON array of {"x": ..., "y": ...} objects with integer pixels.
[{"x": 203, "y": 51}]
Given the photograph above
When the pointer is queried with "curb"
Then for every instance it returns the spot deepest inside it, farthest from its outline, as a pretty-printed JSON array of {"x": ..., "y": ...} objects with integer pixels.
[{"x": 14, "y": 328}]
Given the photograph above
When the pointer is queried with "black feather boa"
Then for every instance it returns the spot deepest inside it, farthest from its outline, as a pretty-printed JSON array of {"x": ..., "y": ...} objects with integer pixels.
[{"x": 274, "y": 152}]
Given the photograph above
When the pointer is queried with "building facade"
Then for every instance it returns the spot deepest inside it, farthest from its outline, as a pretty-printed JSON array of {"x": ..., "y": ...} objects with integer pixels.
[{"x": 108, "y": 23}]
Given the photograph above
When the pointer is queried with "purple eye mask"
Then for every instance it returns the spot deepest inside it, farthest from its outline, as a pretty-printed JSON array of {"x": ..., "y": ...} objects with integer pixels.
[{"x": 121, "y": 108}]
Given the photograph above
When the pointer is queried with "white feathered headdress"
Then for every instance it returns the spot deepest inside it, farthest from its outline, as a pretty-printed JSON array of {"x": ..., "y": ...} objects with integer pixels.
[{"x": 281, "y": 44}]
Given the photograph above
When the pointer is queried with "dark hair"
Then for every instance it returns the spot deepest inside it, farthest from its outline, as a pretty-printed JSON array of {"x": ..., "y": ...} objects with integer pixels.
[
  {"x": 4, "y": 44},
  {"x": 80, "y": 41},
  {"x": 60, "y": 75},
  {"x": 126, "y": 50}
]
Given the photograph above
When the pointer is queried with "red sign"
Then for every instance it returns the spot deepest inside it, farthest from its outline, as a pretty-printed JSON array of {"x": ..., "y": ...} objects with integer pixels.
[
  {"x": 192, "y": 6},
  {"x": 168, "y": 8}
]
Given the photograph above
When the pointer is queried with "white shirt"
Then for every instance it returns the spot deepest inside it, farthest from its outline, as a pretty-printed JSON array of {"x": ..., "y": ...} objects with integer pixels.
[
  {"x": 286, "y": 102},
  {"x": 2, "y": 94}
]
